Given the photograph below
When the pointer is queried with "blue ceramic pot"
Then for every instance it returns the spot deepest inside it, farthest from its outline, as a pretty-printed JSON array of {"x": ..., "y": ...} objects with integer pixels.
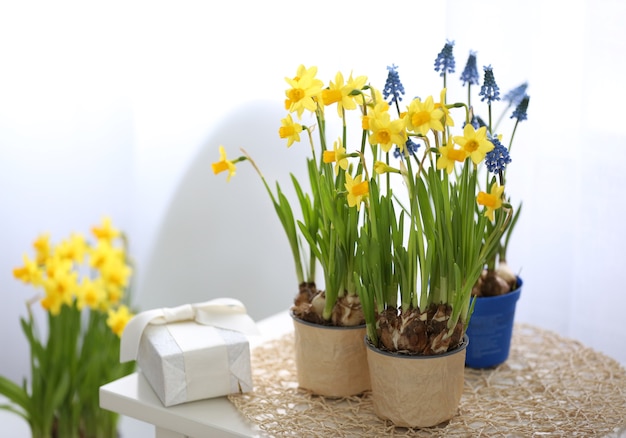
[{"x": 490, "y": 329}]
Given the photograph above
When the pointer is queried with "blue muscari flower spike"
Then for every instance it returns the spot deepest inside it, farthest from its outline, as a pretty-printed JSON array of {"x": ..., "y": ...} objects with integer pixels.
[
  {"x": 410, "y": 146},
  {"x": 489, "y": 91},
  {"x": 515, "y": 96},
  {"x": 497, "y": 159},
  {"x": 520, "y": 111},
  {"x": 393, "y": 86},
  {"x": 445, "y": 59},
  {"x": 470, "y": 72}
]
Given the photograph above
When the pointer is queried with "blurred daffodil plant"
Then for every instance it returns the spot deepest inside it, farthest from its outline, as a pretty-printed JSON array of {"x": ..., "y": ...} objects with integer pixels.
[{"x": 85, "y": 290}]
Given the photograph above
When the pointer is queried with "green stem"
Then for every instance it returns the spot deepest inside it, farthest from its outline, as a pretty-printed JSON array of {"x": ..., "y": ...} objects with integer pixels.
[{"x": 513, "y": 135}]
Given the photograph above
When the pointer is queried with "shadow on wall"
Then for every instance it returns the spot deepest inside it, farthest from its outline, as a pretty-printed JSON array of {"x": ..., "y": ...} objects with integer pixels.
[{"x": 220, "y": 239}]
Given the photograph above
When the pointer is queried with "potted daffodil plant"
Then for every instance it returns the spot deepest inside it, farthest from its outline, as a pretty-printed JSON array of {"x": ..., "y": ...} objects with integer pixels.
[
  {"x": 322, "y": 230},
  {"x": 423, "y": 253}
]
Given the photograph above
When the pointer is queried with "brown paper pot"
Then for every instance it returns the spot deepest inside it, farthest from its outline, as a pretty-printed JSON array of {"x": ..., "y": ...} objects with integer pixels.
[
  {"x": 331, "y": 361},
  {"x": 416, "y": 391}
]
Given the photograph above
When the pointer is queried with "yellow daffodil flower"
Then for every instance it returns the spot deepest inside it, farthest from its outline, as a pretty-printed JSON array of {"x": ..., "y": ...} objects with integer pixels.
[
  {"x": 51, "y": 303},
  {"x": 289, "y": 130},
  {"x": 448, "y": 156},
  {"x": 91, "y": 294},
  {"x": 73, "y": 248},
  {"x": 305, "y": 88},
  {"x": 224, "y": 164},
  {"x": 114, "y": 294},
  {"x": 357, "y": 190},
  {"x": 56, "y": 264},
  {"x": 385, "y": 132},
  {"x": 474, "y": 142},
  {"x": 116, "y": 273},
  {"x": 30, "y": 273},
  {"x": 423, "y": 116},
  {"x": 381, "y": 168},
  {"x": 102, "y": 253},
  {"x": 118, "y": 319},
  {"x": 106, "y": 231},
  {"x": 491, "y": 200},
  {"x": 337, "y": 155},
  {"x": 61, "y": 288},
  {"x": 340, "y": 93},
  {"x": 373, "y": 113},
  {"x": 42, "y": 248},
  {"x": 446, "y": 111},
  {"x": 356, "y": 84}
]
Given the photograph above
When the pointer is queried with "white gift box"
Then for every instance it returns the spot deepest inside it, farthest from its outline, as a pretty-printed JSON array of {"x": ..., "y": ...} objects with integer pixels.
[{"x": 192, "y": 352}]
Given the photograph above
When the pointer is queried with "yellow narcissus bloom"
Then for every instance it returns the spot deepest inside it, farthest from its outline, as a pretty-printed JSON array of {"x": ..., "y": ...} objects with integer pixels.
[
  {"x": 491, "y": 200},
  {"x": 423, "y": 116},
  {"x": 118, "y": 319},
  {"x": 381, "y": 168},
  {"x": 448, "y": 156},
  {"x": 442, "y": 105},
  {"x": 75, "y": 247},
  {"x": 91, "y": 293},
  {"x": 289, "y": 130},
  {"x": 114, "y": 294},
  {"x": 385, "y": 132},
  {"x": 56, "y": 264},
  {"x": 115, "y": 273},
  {"x": 102, "y": 253},
  {"x": 29, "y": 273},
  {"x": 42, "y": 248},
  {"x": 357, "y": 190},
  {"x": 474, "y": 142},
  {"x": 305, "y": 88},
  {"x": 224, "y": 164},
  {"x": 60, "y": 289},
  {"x": 106, "y": 231},
  {"x": 337, "y": 155},
  {"x": 51, "y": 303},
  {"x": 374, "y": 112},
  {"x": 340, "y": 93},
  {"x": 356, "y": 84}
]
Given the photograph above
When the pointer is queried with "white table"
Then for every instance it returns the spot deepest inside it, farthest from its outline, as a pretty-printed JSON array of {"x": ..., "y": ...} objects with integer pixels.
[{"x": 133, "y": 396}]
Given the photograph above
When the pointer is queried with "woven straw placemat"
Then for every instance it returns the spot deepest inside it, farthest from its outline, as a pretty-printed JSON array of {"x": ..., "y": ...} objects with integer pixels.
[{"x": 549, "y": 386}]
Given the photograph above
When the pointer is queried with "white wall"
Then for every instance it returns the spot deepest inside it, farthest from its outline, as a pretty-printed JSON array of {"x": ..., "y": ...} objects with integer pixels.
[
  {"x": 118, "y": 109},
  {"x": 66, "y": 141}
]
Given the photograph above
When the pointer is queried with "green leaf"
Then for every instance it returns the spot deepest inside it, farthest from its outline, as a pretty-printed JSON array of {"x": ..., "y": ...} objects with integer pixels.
[{"x": 17, "y": 396}]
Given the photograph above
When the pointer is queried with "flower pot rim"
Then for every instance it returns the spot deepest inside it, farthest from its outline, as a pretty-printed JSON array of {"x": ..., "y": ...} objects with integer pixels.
[
  {"x": 462, "y": 346},
  {"x": 327, "y": 327}
]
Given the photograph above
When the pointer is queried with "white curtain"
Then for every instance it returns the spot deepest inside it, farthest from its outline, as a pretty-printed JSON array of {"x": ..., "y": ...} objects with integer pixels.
[{"x": 107, "y": 109}]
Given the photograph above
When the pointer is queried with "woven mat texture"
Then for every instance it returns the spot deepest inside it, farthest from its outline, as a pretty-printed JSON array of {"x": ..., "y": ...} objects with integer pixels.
[{"x": 550, "y": 387}]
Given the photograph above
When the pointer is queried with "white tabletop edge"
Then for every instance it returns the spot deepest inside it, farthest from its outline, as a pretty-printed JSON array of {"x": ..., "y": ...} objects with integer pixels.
[{"x": 132, "y": 396}]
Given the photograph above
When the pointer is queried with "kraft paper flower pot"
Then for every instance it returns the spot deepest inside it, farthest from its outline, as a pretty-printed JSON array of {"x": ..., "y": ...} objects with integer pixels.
[
  {"x": 331, "y": 361},
  {"x": 416, "y": 391},
  {"x": 490, "y": 329}
]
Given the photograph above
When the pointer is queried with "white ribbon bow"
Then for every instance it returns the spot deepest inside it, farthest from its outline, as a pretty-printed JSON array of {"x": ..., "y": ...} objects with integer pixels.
[{"x": 225, "y": 313}]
